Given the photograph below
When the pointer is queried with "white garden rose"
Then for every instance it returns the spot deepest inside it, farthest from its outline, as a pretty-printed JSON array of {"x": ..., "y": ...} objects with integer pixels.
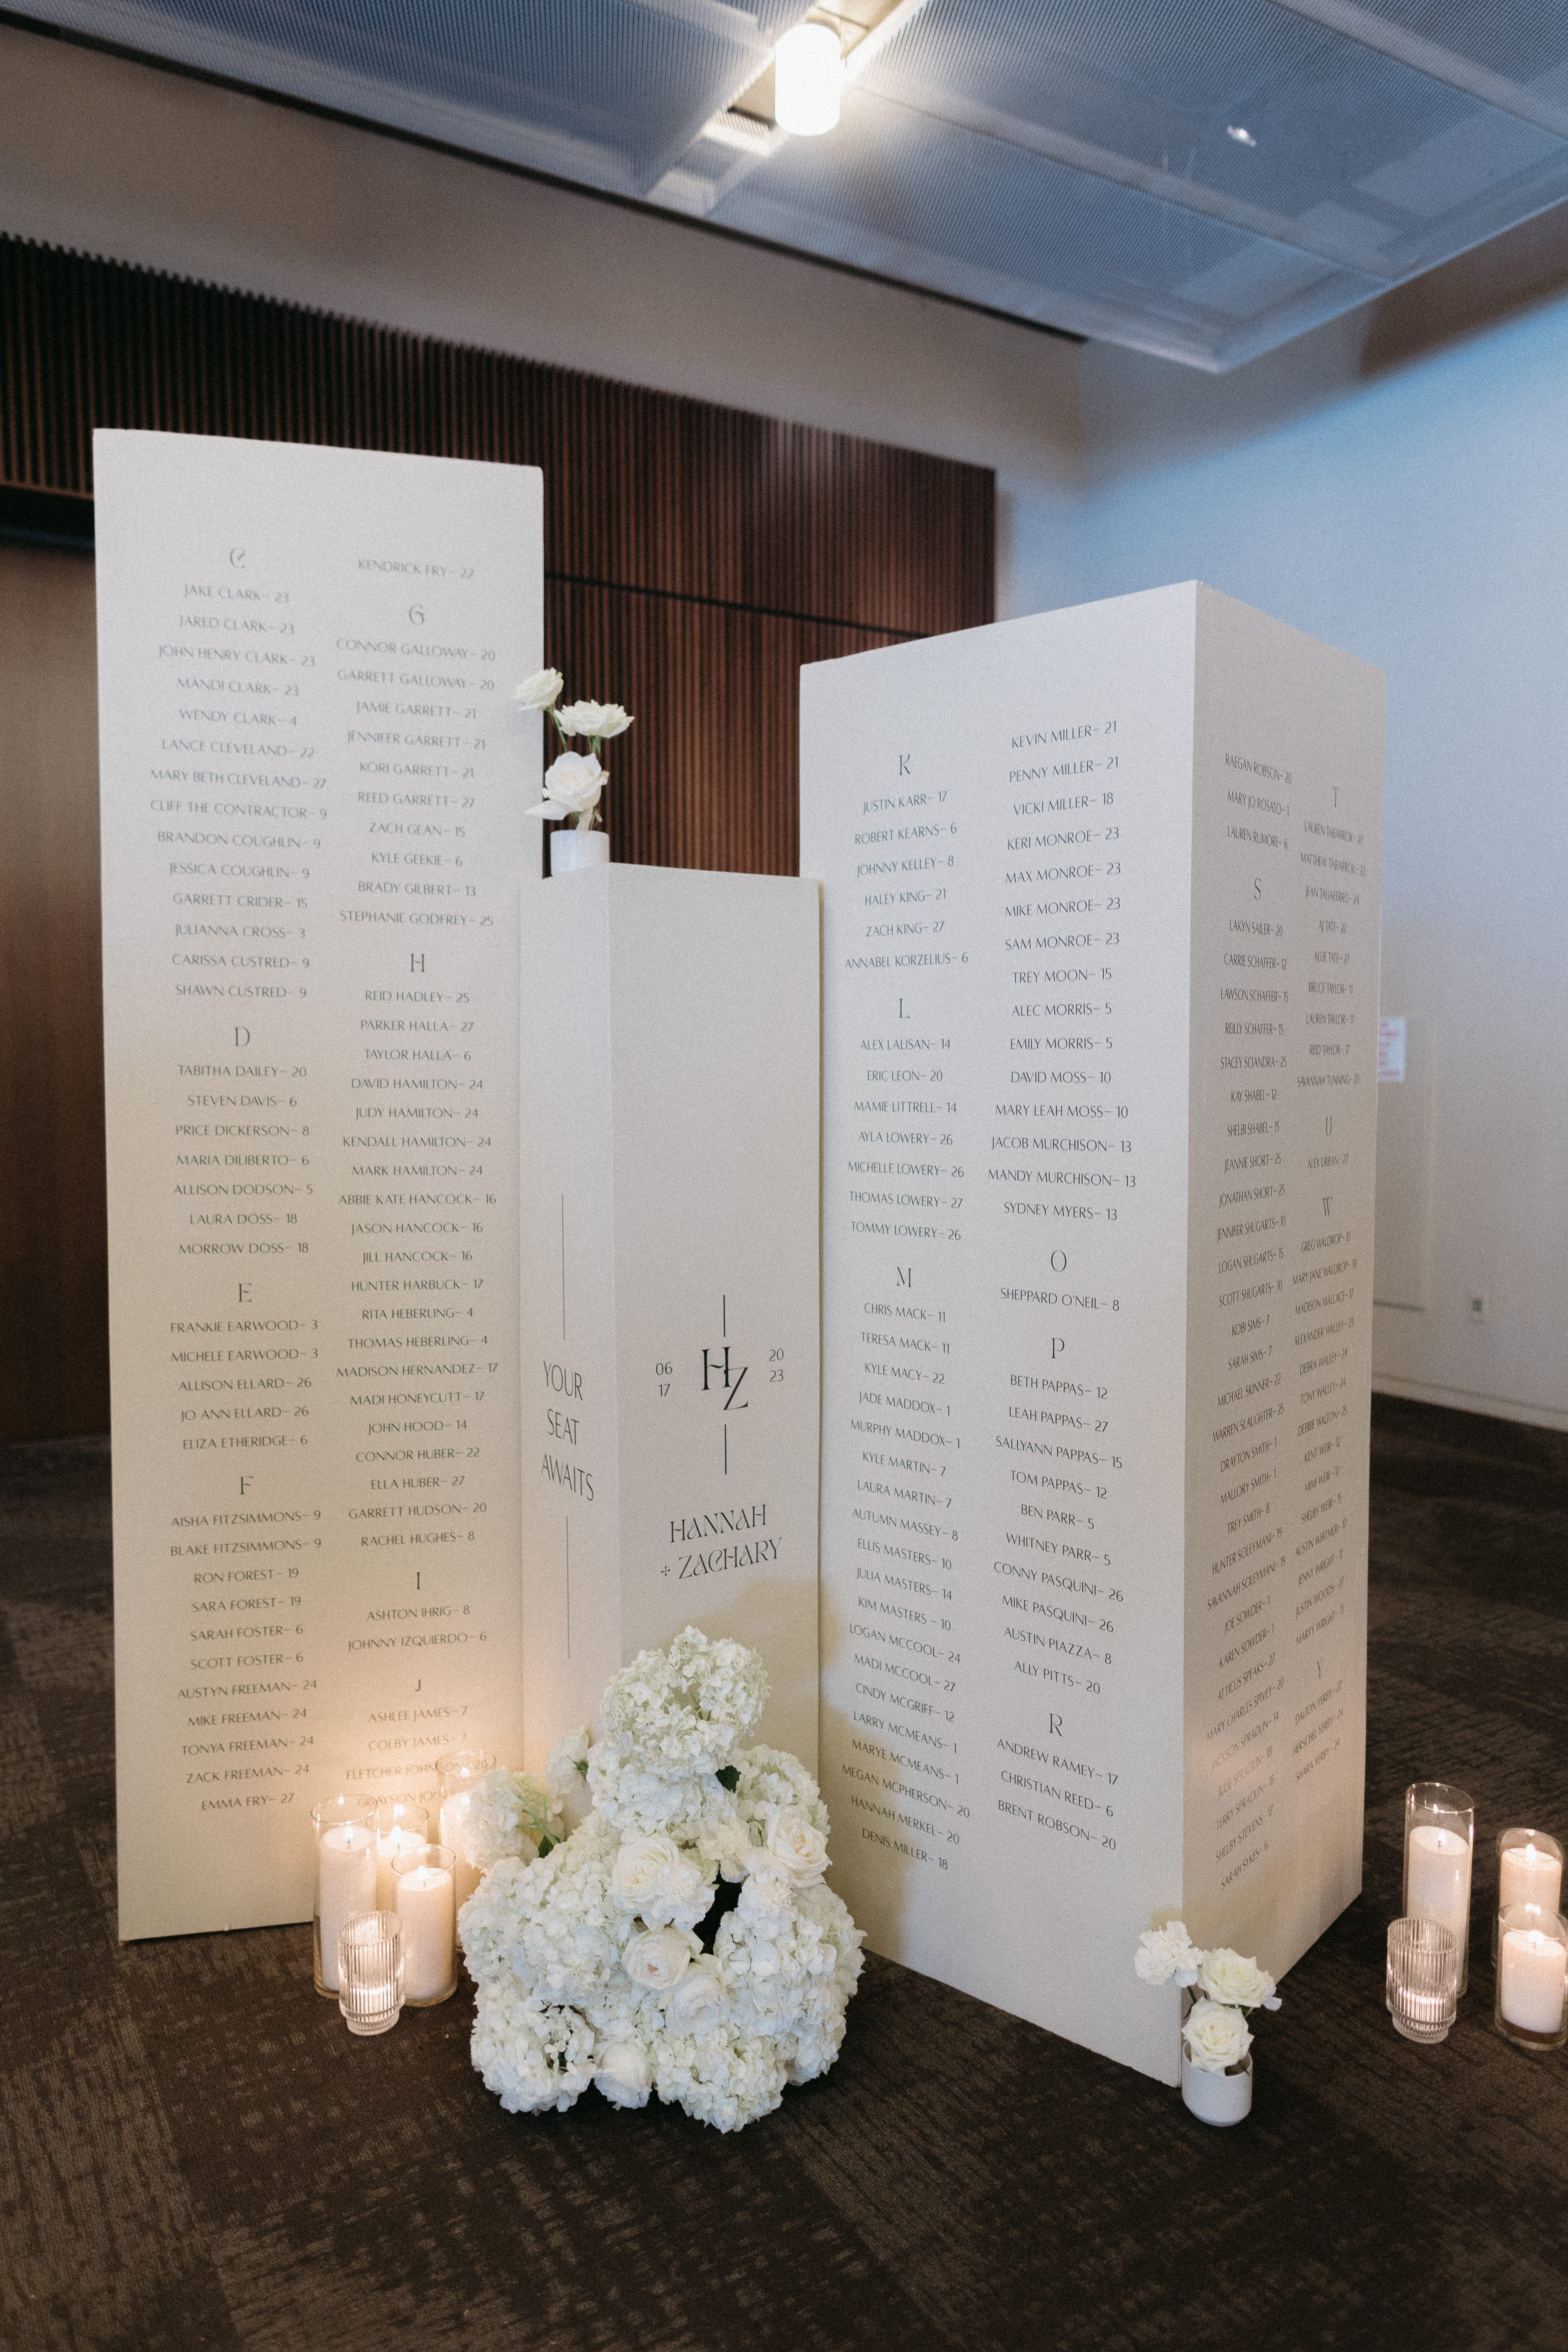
[
  {"x": 537, "y": 692},
  {"x": 597, "y": 720},
  {"x": 625, "y": 2074},
  {"x": 572, "y": 786},
  {"x": 1224, "y": 1976},
  {"x": 796, "y": 1843},
  {"x": 639, "y": 1867},
  {"x": 1166, "y": 1952},
  {"x": 698, "y": 2003},
  {"x": 658, "y": 1961},
  {"x": 1216, "y": 2037}
]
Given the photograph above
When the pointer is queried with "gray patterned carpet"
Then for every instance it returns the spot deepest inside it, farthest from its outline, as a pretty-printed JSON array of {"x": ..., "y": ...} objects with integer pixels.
[{"x": 195, "y": 2154}]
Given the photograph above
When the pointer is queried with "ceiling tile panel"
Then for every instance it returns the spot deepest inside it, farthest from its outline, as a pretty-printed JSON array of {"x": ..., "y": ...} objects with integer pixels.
[{"x": 1199, "y": 178}]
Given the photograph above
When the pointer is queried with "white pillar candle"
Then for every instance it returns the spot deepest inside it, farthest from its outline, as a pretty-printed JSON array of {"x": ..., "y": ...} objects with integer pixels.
[
  {"x": 389, "y": 1844},
  {"x": 454, "y": 1821},
  {"x": 1438, "y": 1880},
  {"x": 1531, "y": 1982},
  {"x": 1530, "y": 1875},
  {"x": 427, "y": 1909},
  {"x": 345, "y": 1882}
]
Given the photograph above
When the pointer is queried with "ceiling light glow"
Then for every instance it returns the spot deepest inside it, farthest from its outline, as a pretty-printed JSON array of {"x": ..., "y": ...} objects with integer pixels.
[
  {"x": 808, "y": 76},
  {"x": 1242, "y": 136}
]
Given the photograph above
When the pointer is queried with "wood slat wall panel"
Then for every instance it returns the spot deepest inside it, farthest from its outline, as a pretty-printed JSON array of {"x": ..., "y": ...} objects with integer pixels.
[
  {"x": 697, "y": 557},
  {"x": 706, "y": 776},
  {"x": 642, "y": 488},
  {"x": 54, "y": 1236}
]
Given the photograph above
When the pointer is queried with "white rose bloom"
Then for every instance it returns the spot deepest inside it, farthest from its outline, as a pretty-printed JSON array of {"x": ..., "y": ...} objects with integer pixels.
[
  {"x": 639, "y": 1867},
  {"x": 625, "y": 2074},
  {"x": 1166, "y": 1952},
  {"x": 597, "y": 720},
  {"x": 572, "y": 786},
  {"x": 656, "y": 1962},
  {"x": 795, "y": 1842},
  {"x": 1224, "y": 1976},
  {"x": 537, "y": 692},
  {"x": 1215, "y": 2037},
  {"x": 699, "y": 2001}
]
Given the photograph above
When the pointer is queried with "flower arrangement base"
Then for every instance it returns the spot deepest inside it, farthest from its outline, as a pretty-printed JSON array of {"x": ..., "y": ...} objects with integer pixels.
[
  {"x": 1216, "y": 2098},
  {"x": 569, "y": 850},
  {"x": 679, "y": 1941}
]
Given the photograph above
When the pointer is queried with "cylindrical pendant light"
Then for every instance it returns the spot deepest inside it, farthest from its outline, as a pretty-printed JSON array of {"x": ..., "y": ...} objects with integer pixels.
[{"x": 808, "y": 74}]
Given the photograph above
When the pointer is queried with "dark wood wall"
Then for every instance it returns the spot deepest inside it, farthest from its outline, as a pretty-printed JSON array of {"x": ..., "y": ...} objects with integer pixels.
[{"x": 695, "y": 557}]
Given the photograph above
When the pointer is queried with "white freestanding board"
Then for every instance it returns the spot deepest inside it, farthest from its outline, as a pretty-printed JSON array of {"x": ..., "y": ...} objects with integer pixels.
[
  {"x": 669, "y": 1183},
  {"x": 1100, "y": 909},
  {"x": 312, "y": 781}
]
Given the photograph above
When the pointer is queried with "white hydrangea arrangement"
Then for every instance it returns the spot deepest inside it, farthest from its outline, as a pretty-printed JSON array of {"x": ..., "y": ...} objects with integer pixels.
[
  {"x": 679, "y": 1939},
  {"x": 1215, "y": 2030},
  {"x": 574, "y": 781}
]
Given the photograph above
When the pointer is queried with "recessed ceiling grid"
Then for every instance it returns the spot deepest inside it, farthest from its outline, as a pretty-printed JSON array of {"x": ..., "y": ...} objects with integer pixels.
[{"x": 1199, "y": 178}]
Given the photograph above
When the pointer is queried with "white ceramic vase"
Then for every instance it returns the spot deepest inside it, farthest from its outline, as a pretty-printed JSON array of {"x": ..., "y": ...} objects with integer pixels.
[
  {"x": 571, "y": 849},
  {"x": 1216, "y": 2098}
]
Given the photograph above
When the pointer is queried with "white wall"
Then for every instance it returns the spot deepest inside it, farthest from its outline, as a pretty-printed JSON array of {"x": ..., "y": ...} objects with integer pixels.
[
  {"x": 1421, "y": 520},
  {"x": 1418, "y": 519}
]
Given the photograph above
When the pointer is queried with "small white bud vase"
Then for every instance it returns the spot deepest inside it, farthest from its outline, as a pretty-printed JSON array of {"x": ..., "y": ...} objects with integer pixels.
[
  {"x": 571, "y": 849},
  {"x": 1216, "y": 2098}
]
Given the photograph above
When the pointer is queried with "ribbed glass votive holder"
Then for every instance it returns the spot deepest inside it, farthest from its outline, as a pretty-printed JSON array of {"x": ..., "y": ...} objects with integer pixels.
[
  {"x": 1422, "y": 1981},
  {"x": 370, "y": 1971}
]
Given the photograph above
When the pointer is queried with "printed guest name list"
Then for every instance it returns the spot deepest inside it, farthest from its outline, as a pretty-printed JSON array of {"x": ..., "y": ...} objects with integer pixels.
[
  {"x": 1101, "y": 955},
  {"x": 312, "y": 780}
]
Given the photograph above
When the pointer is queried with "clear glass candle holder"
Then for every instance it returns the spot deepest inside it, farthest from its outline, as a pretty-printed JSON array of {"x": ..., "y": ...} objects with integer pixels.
[
  {"x": 345, "y": 1834},
  {"x": 1439, "y": 1852},
  {"x": 1531, "y": 1976},
  {"x": 461, "y": 1773},
  {"x": 398, "y": 1826},
  {"x": 1423, "y": 1979},
  {"x": 426, "y": 1904},
  {"x": 370, "y": 1971},
  {"x": 1529, "y": 1871}
]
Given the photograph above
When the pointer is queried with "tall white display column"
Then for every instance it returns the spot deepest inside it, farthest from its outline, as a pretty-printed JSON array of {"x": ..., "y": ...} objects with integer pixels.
[
  {"x": 670, "y": 1177},
  {"x": 312, "y": 786},
  {"x": 1100, "y": 909}
]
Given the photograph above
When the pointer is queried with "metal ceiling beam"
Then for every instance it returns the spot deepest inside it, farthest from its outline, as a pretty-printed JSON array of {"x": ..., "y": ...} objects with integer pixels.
[{"x": 1375, "y": 32}]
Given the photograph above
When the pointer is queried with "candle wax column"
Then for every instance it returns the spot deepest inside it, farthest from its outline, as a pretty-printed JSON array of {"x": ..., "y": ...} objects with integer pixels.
[
  {"x": 1531, "y": 1967},
  {"x": 1528, "y": 1874},
  {"x": 1438, "y": 1871},
  {"x": 345, "y": 1882},
  {"x": 428, "y": 1913}
]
